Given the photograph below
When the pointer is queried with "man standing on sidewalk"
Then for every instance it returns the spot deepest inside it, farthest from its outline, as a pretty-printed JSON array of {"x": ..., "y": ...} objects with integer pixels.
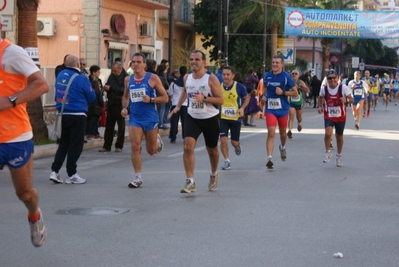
[
  {"x": 204, "y": 96},
  {"x": 279, "y": 85},
  {"x": 114, "y": 88},
  {"x": 20, "y": 82},
  {"x": 79, "y": 96},
  {"x": 235, "y": 99}
]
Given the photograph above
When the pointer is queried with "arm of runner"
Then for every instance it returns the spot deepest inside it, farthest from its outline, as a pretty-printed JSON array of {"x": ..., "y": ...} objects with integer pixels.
[
  {"x": 304, "y": 87},
  {"x": 156, "y": 83},
  {"x": 217, "y": 94},
  {"x": 244, "y": 105},
  {"x": 125, "y": 97}
]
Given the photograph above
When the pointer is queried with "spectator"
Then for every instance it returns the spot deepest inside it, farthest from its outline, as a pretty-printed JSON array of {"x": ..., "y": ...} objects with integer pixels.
[
  {"x": 315, "y": 84},
  {"x": 61, "y": 67},
  {"x": 94, "y": 111},
  {"x": 163, "y": 107},
  {"x": 83, "y": 64},
  {"x": 252, "y": 109},
  {"x": 250, "y": 80}
]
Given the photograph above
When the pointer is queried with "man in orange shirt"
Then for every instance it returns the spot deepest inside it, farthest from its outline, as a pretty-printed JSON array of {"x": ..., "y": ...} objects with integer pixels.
[{"x": 20, "y": 82}]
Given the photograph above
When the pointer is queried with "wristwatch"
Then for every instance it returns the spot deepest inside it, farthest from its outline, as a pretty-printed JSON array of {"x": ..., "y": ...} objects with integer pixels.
[
  {"x": 152, "y": 100},
  {"x": 13, "y": 99},
  {"x": 283, "y": 92},
  {"x": 204, "y": 100}
]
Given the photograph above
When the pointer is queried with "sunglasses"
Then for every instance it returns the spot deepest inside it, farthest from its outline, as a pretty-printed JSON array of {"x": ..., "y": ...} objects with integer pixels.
[
  {"x": 331, "y": 78},
  {"x": 294, "y": 73}
]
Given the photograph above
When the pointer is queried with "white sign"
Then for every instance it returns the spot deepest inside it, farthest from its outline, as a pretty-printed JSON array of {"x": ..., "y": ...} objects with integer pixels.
[
  {"x": 286, "y": 49},
  {"x": 361, "y": 66},
  {"x": 33, "y": 52},
  {"x": 7, "y": 7},
  {"x": 355, "y": 62},
  {"x": 7, "y": 23}
]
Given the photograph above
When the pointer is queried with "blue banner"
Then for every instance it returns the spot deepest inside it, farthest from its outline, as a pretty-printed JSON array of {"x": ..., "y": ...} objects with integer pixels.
[{"x": 341, "y": 23}]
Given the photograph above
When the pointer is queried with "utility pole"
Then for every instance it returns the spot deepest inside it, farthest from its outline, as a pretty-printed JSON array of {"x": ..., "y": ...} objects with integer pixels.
[
  {"x": 220, "y": 30},
  {"x": 226, "y": 33},
  {"x": 264, "y": 36},
  {"x": 171, "y": 27}
]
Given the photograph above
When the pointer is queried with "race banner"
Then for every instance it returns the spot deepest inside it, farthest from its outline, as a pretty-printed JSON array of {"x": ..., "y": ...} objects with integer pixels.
[{"x": 341, "y": 23}]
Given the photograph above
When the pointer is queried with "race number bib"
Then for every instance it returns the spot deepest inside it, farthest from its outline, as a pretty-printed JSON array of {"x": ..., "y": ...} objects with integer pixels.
[
  {"x": 195, "y": 107},
  {"x": 295, "y": 98},
  {"x": 358, "y": 92},
  {"x": 334, "y": 112},
  {"x": 395, "y": 86},
  {"x": 136, "y": 95},
  {"x": 274, "y": 103},
  {"x": 230, "y": 112}
]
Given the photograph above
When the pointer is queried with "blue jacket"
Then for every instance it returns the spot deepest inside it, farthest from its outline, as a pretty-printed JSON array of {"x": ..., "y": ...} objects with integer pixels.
[{"x": 80, "y": 94}]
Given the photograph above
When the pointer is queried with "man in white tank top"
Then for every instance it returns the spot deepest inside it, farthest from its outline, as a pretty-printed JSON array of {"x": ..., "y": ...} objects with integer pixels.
[{"x": 204, "y": 97}]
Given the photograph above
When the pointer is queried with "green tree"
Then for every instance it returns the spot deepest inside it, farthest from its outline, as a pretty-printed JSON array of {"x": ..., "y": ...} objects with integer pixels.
[
  {"x": 369, "y": 50},
  {"x": 390, "y": 57},
  {"x": 27, "y": 37}
]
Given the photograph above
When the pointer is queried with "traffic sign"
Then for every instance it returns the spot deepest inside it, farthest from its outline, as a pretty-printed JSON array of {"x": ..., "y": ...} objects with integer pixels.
[
  {"x": 7, "y": 7},
  {"x": 355, "y": 62},
  {"x": 361, "y": 66}
]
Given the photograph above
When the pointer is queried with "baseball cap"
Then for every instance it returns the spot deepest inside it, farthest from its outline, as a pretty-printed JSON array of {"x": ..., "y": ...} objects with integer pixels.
[{"x": 331, "y": 72}]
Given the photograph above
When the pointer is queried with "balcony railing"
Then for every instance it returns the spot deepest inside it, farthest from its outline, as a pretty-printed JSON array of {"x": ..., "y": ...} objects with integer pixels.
[
  {"x": 150, "y": 4},
  {"x": 183, "y": 13}
]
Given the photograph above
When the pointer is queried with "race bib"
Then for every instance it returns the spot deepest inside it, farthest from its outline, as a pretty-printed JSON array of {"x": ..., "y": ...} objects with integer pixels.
[
  {"x": 334, "y": 112},
  {"x": 274, "y": 103},
  {"x": 230, "y": 112},
  {"x": 295, "y": 98},
  {"x": 195, "y": 107},
  {"x": 396, "y": 86},
  {"x": 136, "y": 95},
  {"x": 358, "y": 92}
]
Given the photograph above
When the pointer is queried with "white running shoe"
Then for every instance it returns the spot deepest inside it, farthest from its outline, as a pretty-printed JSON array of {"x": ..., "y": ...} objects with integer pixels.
[
  {"x": 38, "y": 232},
  {"x": 160, "y": 143},
  {"x": 338, "y": 160},
  {"x": 56, "y": 178},
  {"x": 327, "y": 157},
  {"x": 75, "y": 179},
  {"x": 136, "y": 183},
  {"x": 226, "y": 165}
]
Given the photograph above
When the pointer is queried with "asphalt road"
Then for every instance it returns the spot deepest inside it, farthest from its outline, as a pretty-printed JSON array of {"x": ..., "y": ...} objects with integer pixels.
[{"x": 299, "y": 214}]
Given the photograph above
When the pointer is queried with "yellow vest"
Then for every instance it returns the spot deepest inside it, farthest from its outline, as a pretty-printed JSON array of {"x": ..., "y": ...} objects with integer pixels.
[{"x": 229, "y": 109}]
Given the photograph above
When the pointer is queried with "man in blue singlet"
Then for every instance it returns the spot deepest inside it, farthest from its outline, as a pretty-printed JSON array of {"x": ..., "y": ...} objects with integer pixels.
[{"x": 143, "y": 90}]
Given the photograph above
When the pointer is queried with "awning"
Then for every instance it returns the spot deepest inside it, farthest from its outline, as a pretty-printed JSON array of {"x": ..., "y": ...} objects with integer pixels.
[
  {"x": 147, "y": 48},
  {"x": 117, "y": 46}
]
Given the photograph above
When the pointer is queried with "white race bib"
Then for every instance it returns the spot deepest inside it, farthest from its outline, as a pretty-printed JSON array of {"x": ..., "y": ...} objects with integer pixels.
[
  {"x": 334, "y": 112},
  {"x": 230, "y": 112},
  {"x": 274, "y": 103},
  {"x": 358, "y": 92},
  {"x": 136, "y": 95},
  {"x": 195, "y": 107},
  {"x": 296, "y": 98}
]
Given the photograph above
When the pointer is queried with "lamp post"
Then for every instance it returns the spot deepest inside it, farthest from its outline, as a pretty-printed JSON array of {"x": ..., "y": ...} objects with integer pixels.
[
  {"x": 264, "y": 36},
  {"x": 226, "y": 34},
  {"x": 171, "y": 27}
]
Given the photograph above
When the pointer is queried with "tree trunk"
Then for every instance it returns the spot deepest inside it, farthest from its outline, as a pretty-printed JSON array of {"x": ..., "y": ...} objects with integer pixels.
[
  {"x": 273, "y": 40},
  {"x": 27, "y": 37},
  {"x": 326, "y": 43}
]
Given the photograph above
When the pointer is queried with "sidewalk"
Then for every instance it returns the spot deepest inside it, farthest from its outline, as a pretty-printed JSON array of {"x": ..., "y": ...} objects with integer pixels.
[{"x": 50, "y": 149}]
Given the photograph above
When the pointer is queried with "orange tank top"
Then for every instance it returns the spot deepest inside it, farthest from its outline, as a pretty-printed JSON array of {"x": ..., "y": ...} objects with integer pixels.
[{"x": 13, "y": 121}]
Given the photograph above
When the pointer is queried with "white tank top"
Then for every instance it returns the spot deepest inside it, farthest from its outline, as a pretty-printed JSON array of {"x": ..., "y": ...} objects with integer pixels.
[{"x": 199, "y": 110}]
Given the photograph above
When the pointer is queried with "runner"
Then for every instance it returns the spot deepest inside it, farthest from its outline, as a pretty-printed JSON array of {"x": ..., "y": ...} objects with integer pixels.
[
  {"x": 387, "y": 85},
  {"x": 395, "y": 88},
  {"x": 367, "y": 101},
  {"x": 374, "y": 91},
  {"x": 279, "y": 85},
  {"x": 359, "y": 89},
  {"x": 296, "y": 103},
  {"x": 333, "y": 98},
  {"x": 235, "y": 98}
]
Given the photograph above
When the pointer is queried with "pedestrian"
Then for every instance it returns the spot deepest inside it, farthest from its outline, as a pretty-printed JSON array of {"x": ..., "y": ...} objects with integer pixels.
[
  {"x": 175, "y": 90},
  {"x": 61, "y": 67},
  {"x": 252, "y": 109},
  {"x": 94, "y": 111},
  {"x": 359, "y": 90},
  {"x": 333, "y": 99},
  {"x": 315, "y": 84},
  {"x": 22, "y": 82},
  {"x": 204, "y": 96},
  {"x": 79, "y": 96},
  {"x": 279, "y": 86},
  {"x": 114, "y": 88},
  {"x": 94, "y": 75},
  {"x": 143, "y": 90},
  {"x": 296, "y": 103},
  {"x": 235, "y": 100}
]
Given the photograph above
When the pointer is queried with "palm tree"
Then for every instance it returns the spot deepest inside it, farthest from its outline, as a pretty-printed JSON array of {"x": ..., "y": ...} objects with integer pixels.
[{"x": 27, "y": 16}]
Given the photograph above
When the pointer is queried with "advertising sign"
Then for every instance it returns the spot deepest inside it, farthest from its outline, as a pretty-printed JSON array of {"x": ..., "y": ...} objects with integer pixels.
[
  {"x": 341, "y": 23},
  {"x": 286, "y": 49}
]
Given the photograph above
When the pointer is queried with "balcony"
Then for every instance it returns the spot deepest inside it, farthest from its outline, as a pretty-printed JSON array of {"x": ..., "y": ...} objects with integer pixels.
[
  {"x": 149, "y": 4},
  {"x": 183, "y": 14}
]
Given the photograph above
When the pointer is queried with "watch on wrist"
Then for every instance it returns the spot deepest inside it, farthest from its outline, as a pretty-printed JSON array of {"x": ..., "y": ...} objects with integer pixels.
[
  {"x": 283, "y": 92},
  {"x": 152, "y": 100},
  {"x": 204, "y": 100},
  {"x": 13, "y": 100}
]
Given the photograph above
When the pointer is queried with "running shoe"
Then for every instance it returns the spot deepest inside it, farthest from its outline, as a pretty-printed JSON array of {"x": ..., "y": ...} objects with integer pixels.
[
  {"x": 269, "y": 163},
  {"x": 338, "y": 160},
  {"x": 38, "y": 232},
  {"x": 213, "y": 182},
  {"x": 237, "y": 149},
  {"x": 331, "y": 144},
  {"x": 56, "y": 178},
  {"x": 136, "y": 183},
  {"x": 357, "y": 126},
  {"x": 299, "y": 127},
  {"x": 289, "y": 134},
  {"x": 189, "y": 187},
  {"x": 283, "y": 153},
  {"x": 327, "y": 156},
  {"x": 75, "y": 179},
  {"x": 227, "y": 165},
  {"x": 160, "y": 143}
]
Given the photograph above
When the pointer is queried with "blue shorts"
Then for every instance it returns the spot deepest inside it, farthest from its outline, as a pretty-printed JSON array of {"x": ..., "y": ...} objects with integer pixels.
[
  {"x": 339, "y": 126},
  {"x": 15, "y": 155},
  {"x": 297, "y": 107},
  {"x": 395, "y": 91},
  {"x": 355, "y": 101},
  {"x": 233, "y": 126},
  {"x": 146, "y": 126},
  {"x": 370, "y": 97}
]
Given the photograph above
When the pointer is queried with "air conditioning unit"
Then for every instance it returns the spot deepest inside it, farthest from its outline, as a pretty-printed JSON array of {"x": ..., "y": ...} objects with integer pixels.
[
  {"x": 45, "y": 27},
  {"x": 146, "y": 29}
]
